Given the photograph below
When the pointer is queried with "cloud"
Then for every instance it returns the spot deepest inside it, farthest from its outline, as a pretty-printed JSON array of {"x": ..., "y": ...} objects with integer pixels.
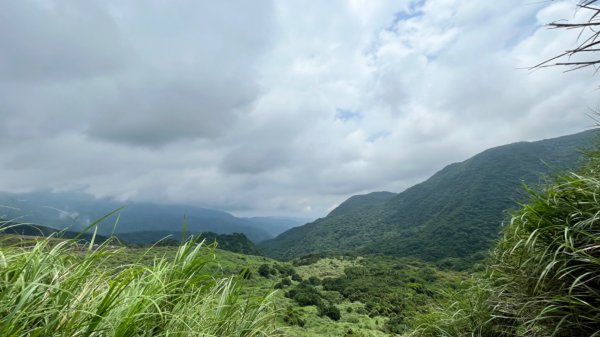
[
  {"x": 68, "y": 40},
  {"x": 272, "y": 107}
]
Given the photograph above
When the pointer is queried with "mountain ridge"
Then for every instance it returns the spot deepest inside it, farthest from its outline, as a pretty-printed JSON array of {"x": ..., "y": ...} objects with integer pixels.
[{"x": 75, "y": 211}]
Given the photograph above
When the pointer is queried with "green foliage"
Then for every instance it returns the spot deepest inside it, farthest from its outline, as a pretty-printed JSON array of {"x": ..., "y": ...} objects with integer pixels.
[
  {"x": 314, "y": 281},
  {"x": 53, "y": 287},
  {"x": 285, "y": 282},
  {"x": 264, "y": 270},
  {"x": 330, "y": 311},
  {"x": 304, "y": 294},
  {"x": 547, "y": 265},
  {"x": 293, "y": 317},
  {"x": 450, "y": 218},
  {"x": 465, "y": 311},
  {"x": 387, "y": 286}
]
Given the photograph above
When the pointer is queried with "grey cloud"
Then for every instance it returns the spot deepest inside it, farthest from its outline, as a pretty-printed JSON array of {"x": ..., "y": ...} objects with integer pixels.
[
  {"x": 58, "y": 40},
  {"x": 198, "y": 72},
  {"x": 154, "y": 114},
  {"x": 255, "y": 159}
]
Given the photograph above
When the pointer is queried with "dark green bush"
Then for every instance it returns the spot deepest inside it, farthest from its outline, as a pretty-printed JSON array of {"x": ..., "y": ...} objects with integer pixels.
[
  {"x": 305, "y": 295},
  {"x": 264, "y": 270},
  {"x": 330, "y": 311}
]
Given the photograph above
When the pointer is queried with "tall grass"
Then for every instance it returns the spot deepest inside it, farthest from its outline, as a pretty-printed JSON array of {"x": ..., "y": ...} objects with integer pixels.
[
  {"x": 463, "y": 312},
  {"x": 52, "y": 288},
  {"x": 546, "y": 269}
]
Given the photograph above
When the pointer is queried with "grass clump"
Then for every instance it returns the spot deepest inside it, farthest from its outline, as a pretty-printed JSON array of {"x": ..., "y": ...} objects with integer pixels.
[
  {"x": 543, "y": 277},
  {"x": 52, "y": 288},
  {"x": 547, "y": 266}
]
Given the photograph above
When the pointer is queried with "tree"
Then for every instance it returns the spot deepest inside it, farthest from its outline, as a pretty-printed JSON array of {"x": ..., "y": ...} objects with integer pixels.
[{"x": 583, "y": 55}]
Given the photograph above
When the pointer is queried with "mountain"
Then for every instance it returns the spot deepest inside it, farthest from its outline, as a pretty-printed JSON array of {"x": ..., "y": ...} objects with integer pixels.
[
  {"x": 14, "y": 228},
  {"x": 454, "y": 214},
  {"x": 76, "y": 211}
]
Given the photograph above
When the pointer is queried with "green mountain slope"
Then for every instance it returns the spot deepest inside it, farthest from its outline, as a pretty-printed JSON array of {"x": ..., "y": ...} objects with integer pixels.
[{"x": 454, "y": 214}]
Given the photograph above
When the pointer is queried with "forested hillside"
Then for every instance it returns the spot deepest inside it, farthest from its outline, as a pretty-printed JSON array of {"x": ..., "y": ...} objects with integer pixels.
[{"x": 454, "y": 214}]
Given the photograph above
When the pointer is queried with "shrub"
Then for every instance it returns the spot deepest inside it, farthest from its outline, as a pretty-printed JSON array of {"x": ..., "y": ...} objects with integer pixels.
[
  {"x": 313, "y": 280},
  {"x": 330, "y": 311},
  {"x": 305, "y": 295},
  {"x": 264, "y": 270}
]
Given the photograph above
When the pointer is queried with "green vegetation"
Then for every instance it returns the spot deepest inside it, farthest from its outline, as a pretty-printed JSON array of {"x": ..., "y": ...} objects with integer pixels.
[
  {"x": 451, "y": 219},
  {"x": 544, "y": 274},
  {"x": 53, "y": 287}
]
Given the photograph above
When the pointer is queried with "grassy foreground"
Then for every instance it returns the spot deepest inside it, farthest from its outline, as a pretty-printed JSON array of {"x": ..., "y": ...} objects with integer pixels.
[{"x": 57, "y": 288}]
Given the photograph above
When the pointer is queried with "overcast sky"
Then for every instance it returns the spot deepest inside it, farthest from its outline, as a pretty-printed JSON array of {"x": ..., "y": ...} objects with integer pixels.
[{"x": 273, "y": 107}]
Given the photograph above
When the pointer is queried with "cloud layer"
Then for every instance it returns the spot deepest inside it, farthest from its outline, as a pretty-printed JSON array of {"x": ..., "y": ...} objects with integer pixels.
[{"x": 272, "y": 107}]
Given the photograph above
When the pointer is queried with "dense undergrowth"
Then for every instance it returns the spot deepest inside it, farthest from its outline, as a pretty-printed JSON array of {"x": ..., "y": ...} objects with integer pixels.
[
  {"x": 59, "y": 288},
  {"x": 543, "y": 278}
]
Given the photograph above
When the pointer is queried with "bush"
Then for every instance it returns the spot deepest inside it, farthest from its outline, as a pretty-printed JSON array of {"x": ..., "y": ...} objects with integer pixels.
[
  {"x": 395, "y": 325},
  {"x": 264, "y": 270},
  {"x": 305, "y": 295},
  {"x": 330, "y": 311},
  {"x": 313, "y": 280}
]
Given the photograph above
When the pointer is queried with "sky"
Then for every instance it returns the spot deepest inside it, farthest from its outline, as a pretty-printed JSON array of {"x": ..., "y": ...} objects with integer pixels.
[{"x": 280, "y": 107}]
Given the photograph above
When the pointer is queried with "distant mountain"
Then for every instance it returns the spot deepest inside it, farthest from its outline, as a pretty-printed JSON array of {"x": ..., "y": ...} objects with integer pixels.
[
  {"x": 7, "y": 227},
  {"x": 76, "y": 211},
  {"x": 236, "y": 242},
  {"x": 454, "y": 214}
]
